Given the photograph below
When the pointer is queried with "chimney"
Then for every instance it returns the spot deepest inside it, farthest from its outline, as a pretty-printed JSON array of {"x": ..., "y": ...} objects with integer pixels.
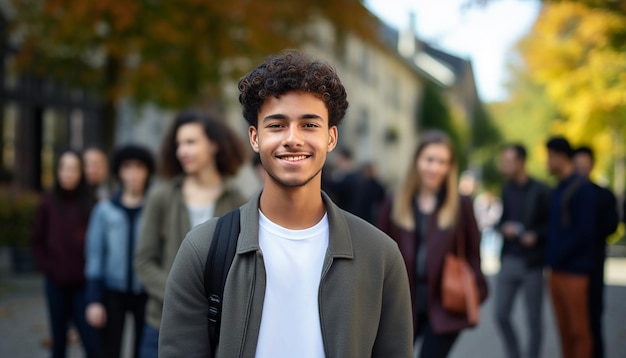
[{"x": 407, "y": 38}]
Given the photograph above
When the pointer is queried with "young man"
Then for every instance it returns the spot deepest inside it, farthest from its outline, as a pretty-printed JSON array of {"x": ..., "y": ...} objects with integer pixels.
[
  {"x": 572, "y": 231},
  {"x": 523, "y": 225},
  {"x": 608, "y": 219},
  {"x": 308, "y": 279}
]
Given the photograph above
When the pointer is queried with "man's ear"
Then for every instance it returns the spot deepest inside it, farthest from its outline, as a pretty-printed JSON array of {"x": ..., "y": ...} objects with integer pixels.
[
  {"x": 254, "y": 138},
  {"x": 332, "y": 138}
]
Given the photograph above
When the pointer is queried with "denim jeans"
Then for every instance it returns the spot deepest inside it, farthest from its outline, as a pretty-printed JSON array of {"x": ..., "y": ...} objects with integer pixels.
[
  {"x": 65, "y": 305},
  {"x": 433, "y": 345},
  {"x": 149, "y": 346}
]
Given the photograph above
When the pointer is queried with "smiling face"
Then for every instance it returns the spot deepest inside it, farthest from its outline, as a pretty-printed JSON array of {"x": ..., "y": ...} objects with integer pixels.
[
  {"x": 433, "y": 165},
  {"x": 194, "y": 150},
  {"x": 292, "y": 137}
]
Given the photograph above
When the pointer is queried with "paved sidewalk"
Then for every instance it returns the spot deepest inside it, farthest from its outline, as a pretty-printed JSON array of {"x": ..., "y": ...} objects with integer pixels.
[{"x": 24, "y": 320}]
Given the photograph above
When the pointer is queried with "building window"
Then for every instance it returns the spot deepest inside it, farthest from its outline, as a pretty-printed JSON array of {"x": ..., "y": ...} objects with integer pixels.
[
  {"x": 8, "y": 140},
  {"x": 364, "y": 65},
  {"x": 76, "y": 129}
]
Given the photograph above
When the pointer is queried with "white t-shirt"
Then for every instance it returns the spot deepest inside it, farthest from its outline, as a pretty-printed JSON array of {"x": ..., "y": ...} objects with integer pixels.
[
  {"x": 290, "y": 324},
  {"x": 200, "y": 214}
]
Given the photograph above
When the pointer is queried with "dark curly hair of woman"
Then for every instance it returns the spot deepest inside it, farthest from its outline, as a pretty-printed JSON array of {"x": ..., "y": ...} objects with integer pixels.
[{"x": 289, "y": 71}]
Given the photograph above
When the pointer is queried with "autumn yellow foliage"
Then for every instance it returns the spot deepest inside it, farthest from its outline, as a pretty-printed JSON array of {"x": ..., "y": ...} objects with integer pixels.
[{"x": 570, "y": 52}]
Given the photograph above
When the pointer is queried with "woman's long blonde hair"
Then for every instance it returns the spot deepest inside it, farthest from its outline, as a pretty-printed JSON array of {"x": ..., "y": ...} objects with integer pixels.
[{"x": 402, "y": 211}]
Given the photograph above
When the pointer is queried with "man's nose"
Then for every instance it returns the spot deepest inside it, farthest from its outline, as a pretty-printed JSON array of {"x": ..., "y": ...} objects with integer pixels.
[{"x": 294, "y": 136}]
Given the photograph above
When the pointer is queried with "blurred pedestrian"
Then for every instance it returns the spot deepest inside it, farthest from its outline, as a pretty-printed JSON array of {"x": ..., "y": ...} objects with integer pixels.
[
  {"x": 488, "y": 210},
  {"x": 59, "y": 248},
  {"x": 572, "y": 232},
  {"x": 608, "y": 219},
  {"x": 97, "y": 172},
  {"x": 355, "y": 189},
  {"x": 307, "y": 279},
  {"x": 199, "y": 154},
  {"x": 368, "y": 194},
  {"x": 426, "y": 217},
  {"x": 523, "y": 225},
  {"x": 339, "y": 183},
  {"x": 113, "y": 287}
]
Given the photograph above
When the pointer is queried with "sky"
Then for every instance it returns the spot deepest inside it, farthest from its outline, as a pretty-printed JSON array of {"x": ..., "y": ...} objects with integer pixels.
[{"x": 483, "y": 34}]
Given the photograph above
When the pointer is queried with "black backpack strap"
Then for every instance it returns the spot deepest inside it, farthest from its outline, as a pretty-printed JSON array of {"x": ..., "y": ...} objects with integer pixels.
[{"x": 220, "y": 257}]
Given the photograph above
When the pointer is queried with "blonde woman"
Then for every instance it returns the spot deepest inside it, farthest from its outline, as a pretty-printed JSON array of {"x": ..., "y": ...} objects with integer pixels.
[{"x": 426, "y": 216}]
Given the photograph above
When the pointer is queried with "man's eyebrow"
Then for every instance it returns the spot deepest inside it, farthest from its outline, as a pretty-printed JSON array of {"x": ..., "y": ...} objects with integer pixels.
[
  {"x": 310, "y": 116},
  {"x": 275, "y": 116},
  {"x": 282, "y": 116}
]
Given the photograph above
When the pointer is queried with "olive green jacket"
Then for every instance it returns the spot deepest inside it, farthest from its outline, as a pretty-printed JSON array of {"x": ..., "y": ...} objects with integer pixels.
[
  {"x": 364, "y": 300},
  {"x": 165, "y": 224}
]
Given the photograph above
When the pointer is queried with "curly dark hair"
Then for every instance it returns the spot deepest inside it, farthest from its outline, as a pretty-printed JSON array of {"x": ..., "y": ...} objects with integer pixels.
[
  {"x": 289, "y": 71},
  {"x": 132, "y": 152},
  {"x": 231, "y": 154}
]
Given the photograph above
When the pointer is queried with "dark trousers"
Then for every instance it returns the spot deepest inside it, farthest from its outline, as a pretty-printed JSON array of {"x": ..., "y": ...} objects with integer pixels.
[
  {"x": 65, "y": 305},
  {"x": 434, "y": 345},
  {"x": 596, "y": 302},
  {"x": 117, "y": 304},
  {"x": 514, "y": 275}
]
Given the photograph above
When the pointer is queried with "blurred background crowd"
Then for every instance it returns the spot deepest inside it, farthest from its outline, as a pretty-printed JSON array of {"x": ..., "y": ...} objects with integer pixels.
[{"x": 93, "y": 99}]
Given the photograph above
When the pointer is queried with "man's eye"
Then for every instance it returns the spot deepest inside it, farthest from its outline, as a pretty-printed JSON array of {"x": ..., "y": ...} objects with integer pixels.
[{"x": 311, "y": 125}]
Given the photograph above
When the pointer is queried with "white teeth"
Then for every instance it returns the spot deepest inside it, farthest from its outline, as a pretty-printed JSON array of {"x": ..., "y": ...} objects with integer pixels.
[{"x": 294, "y": 159}]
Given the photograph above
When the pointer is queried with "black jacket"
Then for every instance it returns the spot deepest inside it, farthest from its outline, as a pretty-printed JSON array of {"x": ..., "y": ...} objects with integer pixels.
[
  {"x": 608, "y": 219},
  {"x": 535, "y": 218}
]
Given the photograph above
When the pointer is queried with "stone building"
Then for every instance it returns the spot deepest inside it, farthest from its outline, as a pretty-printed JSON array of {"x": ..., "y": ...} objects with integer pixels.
[{"x": 384, "y": 78}]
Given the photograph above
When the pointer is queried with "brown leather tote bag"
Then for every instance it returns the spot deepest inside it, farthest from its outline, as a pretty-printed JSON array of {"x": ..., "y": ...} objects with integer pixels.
[{"x": 459, "y": 290}]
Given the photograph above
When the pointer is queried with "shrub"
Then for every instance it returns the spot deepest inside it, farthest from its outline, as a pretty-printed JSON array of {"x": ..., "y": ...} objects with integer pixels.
[{"x": 17, "y": 212}]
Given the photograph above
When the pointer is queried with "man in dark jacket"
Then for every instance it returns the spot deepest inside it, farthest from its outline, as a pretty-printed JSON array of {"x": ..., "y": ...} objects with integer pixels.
[
  {"x": 523, "y": 226},
  {"x": 606, "y": 210},
  {"x": 572, "y": 231}
]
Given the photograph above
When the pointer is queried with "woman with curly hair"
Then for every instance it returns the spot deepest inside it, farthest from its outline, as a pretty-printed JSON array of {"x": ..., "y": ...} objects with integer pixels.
[{"x": 199, "y": 153}]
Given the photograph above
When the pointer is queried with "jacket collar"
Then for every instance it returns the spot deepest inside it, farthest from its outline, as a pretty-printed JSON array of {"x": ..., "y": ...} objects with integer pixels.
[{"x": 339, "y": 241}]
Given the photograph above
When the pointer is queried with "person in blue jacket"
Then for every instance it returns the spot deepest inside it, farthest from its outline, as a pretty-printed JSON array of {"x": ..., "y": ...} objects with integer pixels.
[
  {"x": 572, "y": 232},
  {"x": 112, "y": 285},
  {"x": 608, "y": 219}
]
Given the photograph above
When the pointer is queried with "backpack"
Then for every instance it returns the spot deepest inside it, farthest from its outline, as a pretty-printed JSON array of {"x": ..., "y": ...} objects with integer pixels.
[{"x": 219, "y": 259}]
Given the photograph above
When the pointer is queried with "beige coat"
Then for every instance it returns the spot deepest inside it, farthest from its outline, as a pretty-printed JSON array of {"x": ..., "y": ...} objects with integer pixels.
[
  {"x": 364, "y": 300},
  {"x": 165, "y": 224}
]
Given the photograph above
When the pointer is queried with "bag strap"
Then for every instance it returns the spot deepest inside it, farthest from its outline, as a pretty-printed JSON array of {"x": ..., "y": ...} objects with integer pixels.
[
  {"x": 460, "y": 236},
  {"x": 568, "y": 194},
  {"x": 219, "y": 259}
]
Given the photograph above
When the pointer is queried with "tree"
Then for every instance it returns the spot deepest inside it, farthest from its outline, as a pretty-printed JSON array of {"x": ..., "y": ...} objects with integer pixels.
[
  {"x": 525, "y": 117},
  {"x": 486, "y": 140},
  {"x": 172, "y": 53},
  {"x": 571, "y": 51},
  {"x": 436, "y": 114}
]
